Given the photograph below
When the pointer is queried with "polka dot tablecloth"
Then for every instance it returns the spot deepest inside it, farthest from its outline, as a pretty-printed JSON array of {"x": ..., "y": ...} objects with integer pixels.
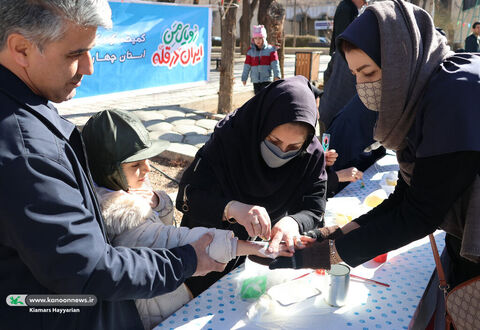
[{"x": 369, "y": 306}]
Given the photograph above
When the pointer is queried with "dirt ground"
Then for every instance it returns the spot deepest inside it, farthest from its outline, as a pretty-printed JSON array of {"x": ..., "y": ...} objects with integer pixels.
[{"x": 172, "y": 168}]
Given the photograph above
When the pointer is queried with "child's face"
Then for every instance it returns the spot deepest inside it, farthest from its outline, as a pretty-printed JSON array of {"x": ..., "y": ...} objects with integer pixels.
[
  {"x": 258, "y": 41},
  {"x": 136, "y": 173}
]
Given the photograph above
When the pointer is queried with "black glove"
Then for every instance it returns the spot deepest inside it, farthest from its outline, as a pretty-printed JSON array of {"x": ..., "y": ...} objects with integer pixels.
[
  {"x": 316, "y": 255},
  {"x": 332, "y": 232}
]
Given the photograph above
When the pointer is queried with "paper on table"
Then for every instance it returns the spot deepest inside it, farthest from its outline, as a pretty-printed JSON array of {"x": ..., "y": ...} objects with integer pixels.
[{"x": 293, "y": 291}]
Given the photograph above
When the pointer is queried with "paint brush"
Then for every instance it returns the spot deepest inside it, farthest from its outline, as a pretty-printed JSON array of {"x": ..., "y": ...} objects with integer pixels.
[{"x": 369, "y": 280}]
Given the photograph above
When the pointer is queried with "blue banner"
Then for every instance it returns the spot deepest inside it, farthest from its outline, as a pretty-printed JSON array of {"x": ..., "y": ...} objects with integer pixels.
[{"x": 150, "y": 45}]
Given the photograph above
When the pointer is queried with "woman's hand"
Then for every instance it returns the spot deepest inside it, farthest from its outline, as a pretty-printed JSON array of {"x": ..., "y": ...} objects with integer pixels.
[
  {"x": 261, "y": 256},
  {"x": 285, "y": 230},
  {"x": 349, "y": 174},
  {"x": 260, "y": 249},
  {"x": 330, "y": 157},
  {"x": 254, "y": 218}
]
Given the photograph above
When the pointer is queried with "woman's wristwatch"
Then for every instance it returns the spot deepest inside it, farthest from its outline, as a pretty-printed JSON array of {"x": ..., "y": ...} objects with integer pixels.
[{"x": 334, "y": 257}]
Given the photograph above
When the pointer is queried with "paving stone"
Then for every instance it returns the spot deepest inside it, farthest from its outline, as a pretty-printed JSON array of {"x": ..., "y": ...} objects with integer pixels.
[
  {"x": 180, "y": 151},
  {"x": 109, "y": 105},
  {"x": 167, "y": 114},
  {"x": 195, "y": 139},
  {"x": 125, "y": 106},
  {"x": 190, "y": 129},
  {"x": 158, "y": 125},
  {"x": 183, "y": 122},
  {"x": 201, "y": 113},
  {"x": 184, "y": 109},
  {"x": 194, "y": 116},
  {"x": 146, "y": 115},
  {"x": 169, "y": 136},
  {"x": 219, "y": 116},
  {"x": 208, "y": 124}
]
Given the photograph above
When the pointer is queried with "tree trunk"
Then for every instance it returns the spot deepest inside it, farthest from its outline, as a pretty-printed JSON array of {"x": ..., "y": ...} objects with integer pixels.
[
  {"x": 272, "y": 15},
  {"x": 305, "y": 24},
  {"x": 245, "y": 23},
  {"x": 262, "y": 16},
  {"x": 294, "y": 24},
  {"x": 276, "y": 19},
  {"x": 225, "y": 93}
]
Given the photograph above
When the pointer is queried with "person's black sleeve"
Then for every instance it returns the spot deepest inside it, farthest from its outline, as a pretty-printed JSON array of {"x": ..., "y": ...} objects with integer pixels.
[
  {"x": 344, "y": 15},
  {"x": 332, "y": 182},
  {"x": 199, "y": 196},
  {"x": 437, "y": 182},
  {"x": 310, "y": 212}
]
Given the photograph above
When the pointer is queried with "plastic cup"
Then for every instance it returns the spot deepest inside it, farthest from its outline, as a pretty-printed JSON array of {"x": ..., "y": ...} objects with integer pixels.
[{"x": 381, "y": 258}]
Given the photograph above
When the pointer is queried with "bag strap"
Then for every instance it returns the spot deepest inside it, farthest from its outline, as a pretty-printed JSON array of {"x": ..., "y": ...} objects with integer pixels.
[
  {"x": 441, "y": 274},
  {"x": 441, "y": 277}
]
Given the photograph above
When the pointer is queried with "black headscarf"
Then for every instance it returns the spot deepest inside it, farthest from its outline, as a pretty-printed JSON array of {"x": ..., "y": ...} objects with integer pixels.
[
  {"x": 404, "y": 32},
  {"x": 233, "y": 150}
]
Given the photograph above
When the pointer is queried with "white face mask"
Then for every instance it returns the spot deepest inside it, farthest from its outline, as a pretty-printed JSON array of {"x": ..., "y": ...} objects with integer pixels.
[
  {"x": 370, "y": 93},
  {"x": 274, "y": 156}
]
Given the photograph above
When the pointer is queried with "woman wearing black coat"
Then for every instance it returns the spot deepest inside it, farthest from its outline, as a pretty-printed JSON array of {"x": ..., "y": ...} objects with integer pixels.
[{"x": 261, "y": 174}]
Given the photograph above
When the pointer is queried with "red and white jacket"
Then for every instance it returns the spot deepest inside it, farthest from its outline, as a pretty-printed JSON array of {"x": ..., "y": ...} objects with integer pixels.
[{"x": 262, "y": 64}]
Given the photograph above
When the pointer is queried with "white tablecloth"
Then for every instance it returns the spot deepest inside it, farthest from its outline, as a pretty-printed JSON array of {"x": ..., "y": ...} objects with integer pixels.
[{"x": 370, "y": 306}]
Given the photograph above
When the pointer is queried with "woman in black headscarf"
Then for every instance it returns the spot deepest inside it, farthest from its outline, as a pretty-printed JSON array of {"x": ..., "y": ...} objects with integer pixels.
[
  {"x": 428, "y": 112},
  {"x": 262, "y": 172}
]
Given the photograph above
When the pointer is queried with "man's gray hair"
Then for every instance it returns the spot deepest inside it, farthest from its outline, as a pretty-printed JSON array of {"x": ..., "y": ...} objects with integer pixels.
[{"x": 44, "y": 21}]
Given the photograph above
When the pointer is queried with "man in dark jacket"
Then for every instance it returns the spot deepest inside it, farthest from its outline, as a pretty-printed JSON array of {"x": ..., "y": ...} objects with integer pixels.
[
  {"x": 472, "y": 44},
  {"x": 52, "y": 236},
  {"x": 346, "y": 12}
]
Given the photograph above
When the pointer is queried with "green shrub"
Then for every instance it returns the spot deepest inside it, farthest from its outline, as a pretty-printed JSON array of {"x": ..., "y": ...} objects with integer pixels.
[
  {"x": 217, "y": 41},
  {"x": 302, "y": 41}
]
